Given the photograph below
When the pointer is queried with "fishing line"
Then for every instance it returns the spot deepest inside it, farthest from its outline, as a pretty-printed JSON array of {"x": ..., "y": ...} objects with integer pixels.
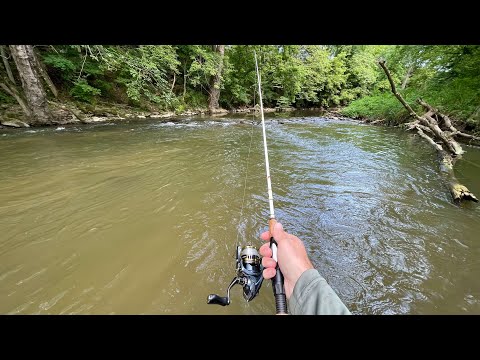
[{"x": 246, "y": 171}]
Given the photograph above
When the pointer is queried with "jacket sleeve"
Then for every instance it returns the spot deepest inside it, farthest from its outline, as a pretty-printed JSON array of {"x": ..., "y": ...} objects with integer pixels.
[{"x": 313, "y": 296}]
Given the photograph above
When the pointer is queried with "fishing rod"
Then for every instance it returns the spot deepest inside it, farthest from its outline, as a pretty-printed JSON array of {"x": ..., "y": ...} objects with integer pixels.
[{"x": 248, "y": 263}]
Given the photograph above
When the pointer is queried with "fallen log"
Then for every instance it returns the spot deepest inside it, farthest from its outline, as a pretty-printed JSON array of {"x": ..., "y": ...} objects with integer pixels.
[{"x": 442, "y": 140}]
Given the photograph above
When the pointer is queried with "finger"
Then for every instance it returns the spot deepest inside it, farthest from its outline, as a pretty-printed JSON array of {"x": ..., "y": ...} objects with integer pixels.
[
  {"x": 265, "y": 235},
  {"x": 265, "y": 250},
  {"x": 278, "y": 233},
  {"x": 268, "y": 262},
  {"x": 269, "y": 273}
]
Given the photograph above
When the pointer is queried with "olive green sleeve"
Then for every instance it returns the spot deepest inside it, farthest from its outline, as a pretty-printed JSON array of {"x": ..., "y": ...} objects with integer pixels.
[{"x": 313, "y": 296}]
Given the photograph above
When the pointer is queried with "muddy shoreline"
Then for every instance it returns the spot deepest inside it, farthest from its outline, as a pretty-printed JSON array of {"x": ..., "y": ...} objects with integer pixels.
[{"x": 71, "y": 114}]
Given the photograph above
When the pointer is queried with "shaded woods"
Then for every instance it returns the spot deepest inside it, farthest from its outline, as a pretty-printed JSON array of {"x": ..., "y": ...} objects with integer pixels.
[{"x": 178, "y": 78}]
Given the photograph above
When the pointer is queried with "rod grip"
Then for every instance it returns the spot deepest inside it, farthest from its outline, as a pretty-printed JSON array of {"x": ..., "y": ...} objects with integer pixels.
[
  {"x": 278, "y": 283},
  {"x": 271, "y": 225}
]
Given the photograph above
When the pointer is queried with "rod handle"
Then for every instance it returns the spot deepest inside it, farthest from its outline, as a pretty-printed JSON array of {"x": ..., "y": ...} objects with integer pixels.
[
  {"x": 278, "y": 285},
  {"x": 277, "y": 280}
]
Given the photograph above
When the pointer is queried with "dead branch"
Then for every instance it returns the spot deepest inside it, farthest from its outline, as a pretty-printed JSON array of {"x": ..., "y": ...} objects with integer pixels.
[
  {"x": 45, "y": 76},
  {"x": 3, "y": 53},
  {"x": 11, "y": 90},
  {"x": 425, "y": 128},
  {"x": 428, "y": 138},
  {"x": 394, "y": 90},
  {"x": 427, "y": 123},
  {"x": 447, "y": 121}
]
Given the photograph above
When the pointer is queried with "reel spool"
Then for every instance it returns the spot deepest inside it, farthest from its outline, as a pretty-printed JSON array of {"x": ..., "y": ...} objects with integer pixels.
[{"x": 249, "y": 274}]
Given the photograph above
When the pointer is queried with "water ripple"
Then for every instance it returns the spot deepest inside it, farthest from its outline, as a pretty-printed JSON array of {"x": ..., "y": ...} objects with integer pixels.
[{"x": 144, "y": 216}]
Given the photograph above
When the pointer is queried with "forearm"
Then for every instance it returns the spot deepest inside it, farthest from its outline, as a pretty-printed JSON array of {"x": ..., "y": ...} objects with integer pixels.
[{"x": 313, "y": 296}]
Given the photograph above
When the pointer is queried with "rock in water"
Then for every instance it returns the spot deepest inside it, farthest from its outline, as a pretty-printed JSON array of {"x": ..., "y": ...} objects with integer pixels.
[{"x": 14, "y": 123}]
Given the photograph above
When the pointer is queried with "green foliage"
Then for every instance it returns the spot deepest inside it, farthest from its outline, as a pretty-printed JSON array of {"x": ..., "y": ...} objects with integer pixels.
[
  {"x": 180, "y": 108},
  {"x": 447, "y": 77},
  {"x": 82, "y": 91},
  {"x": 302, "y": 75},
  {"x": 76, "y": 70},
  {"x": 66, "y": 63},
  {"x": 362, "y": 70},
  {"x": 283, "y": 102},
  {"x": 203, "y": 65},
  {"x": 196, "y": 100},
  {"x": 103, "y": 85},
  {"x": 460, "y": 99},
  {"x": 378, "y": 106},
  {"x": 144, "y": 71},
  {"x": 239, "y": 75},
  {"x": 5, "y": 98},
  {"x": 60, "y": 62},
  {"x": 291, "y": 74},
  {"x": 179, "y": 77}
]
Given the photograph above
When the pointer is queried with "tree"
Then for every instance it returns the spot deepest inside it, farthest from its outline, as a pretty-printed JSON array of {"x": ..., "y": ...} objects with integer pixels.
[
  {"x": 145, "y": 70},
  {"x": 3, "y": 53},
  {"x": 41, "y": 68},
  {"x": 24, "y": 58},
  {"x": 216, "y": 80},
  {"x": 9, "y": 84}
]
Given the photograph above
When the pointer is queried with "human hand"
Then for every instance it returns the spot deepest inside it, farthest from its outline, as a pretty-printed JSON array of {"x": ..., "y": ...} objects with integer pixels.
[{"x": 291, "y": 255}]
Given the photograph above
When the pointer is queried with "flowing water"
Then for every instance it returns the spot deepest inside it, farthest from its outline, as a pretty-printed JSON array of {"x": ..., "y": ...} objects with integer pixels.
[{"x": 142, "y": 217}]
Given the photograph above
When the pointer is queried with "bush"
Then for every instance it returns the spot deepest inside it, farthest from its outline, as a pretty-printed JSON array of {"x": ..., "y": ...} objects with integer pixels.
[
  {"x": 383, "y": 105},
  {"x": 60, "y": 62},
  {"x": 283, "y": 102},
  {"x": 378, "y": 106},
  {"x": 6, "y": 99},
  {"x": 457, "y": 98},
  {"x": 180, "y": 108},
  {"x": 83, "y": 91},
  {"x": 196, "y": 100}
]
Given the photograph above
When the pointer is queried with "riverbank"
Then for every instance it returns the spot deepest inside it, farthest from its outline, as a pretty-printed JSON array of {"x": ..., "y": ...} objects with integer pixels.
[{"x": 75, "y": 113}]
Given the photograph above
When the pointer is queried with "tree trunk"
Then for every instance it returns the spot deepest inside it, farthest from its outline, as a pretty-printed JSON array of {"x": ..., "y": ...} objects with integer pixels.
[
  {"x": 184, "y": 80},
  {"x": 215, "y": 82},
  {"x": 3, "y": 53},
  {"x": 45, "y": 75},
  {"x": 407, "y": 77},
  {"x": 459, "y": 192},
  {"x": 173, "y": 83},
  {"x": 31, "y": 84},
  {"x": 428, "y": 123}
]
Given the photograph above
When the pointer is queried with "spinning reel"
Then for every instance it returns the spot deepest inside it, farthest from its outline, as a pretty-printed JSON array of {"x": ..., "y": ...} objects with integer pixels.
[{"x": 249, "y": 275}]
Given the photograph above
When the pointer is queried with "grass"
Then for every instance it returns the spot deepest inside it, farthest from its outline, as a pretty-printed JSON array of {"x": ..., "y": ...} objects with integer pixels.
[{"x": 460, "y": 99}]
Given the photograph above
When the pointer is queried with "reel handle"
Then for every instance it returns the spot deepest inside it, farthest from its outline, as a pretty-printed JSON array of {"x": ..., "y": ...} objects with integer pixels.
[{"x": 218, "y": 300}]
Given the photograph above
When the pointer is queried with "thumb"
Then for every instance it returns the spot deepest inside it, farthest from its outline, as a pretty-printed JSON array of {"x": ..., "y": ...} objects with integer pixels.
[{"x": 278, "y": 232}]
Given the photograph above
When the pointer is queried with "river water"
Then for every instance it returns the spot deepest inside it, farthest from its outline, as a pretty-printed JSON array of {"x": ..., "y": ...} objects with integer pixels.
[{"x": 142, "y": 217}]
